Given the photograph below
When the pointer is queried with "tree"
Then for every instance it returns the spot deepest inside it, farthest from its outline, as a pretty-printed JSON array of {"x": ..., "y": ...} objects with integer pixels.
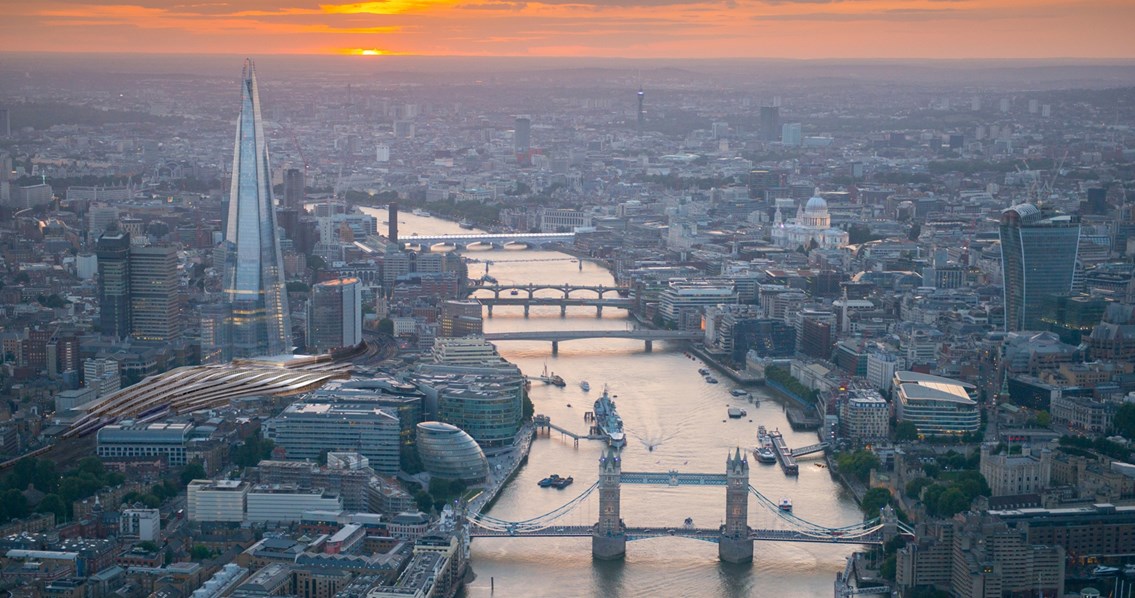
[
  {"x": 951, "y": 502},
  {"x": 386, "y": 326},
  {"x": 200, "y": 552},
  {"x": 906, "y": 431},
  {"x": 1124, "y": 421},
  {"x": 53, "y": 503},
  {"x": 873, "y": 500},
  {"x": 192, "y": 471},
  {"x": 915, "y": 486},
  {"x": 858, "y": 464}
]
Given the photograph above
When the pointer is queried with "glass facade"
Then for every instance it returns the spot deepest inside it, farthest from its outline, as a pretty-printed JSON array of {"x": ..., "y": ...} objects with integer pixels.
[
  {"x": 448, "y": 452},
  {"x": 490, "y": 414},
  {"x": 258, "y": 321},
  {"x": 1038, "y": 260}
]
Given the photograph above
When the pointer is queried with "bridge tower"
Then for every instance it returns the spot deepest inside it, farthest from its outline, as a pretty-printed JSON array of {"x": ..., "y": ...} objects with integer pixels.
[
  {"x": 735, "y": 545},
  {"x": 609, "y": 536},
  {"x": 890, "y": 521}
]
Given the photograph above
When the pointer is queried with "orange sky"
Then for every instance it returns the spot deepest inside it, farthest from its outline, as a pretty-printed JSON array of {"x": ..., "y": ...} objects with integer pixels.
[{"x": 626, "y": 28}]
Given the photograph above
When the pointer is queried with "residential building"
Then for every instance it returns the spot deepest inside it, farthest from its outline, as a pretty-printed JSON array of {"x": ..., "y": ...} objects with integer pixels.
[
  {"x": 335, "y": 315},
  {"x": 221, "y": 501},
  {"x": 864, "y": 415}
]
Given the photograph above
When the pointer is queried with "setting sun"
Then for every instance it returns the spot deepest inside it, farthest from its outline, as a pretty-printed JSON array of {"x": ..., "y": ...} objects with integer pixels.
[{"x": 583, "y": 28}]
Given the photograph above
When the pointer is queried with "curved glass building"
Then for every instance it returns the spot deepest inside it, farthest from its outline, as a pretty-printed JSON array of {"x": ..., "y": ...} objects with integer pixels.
[{"x": 448, "y": 452}]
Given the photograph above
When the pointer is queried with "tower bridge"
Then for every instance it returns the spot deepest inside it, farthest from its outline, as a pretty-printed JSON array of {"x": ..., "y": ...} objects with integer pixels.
[{"x": 734, "y": 538}]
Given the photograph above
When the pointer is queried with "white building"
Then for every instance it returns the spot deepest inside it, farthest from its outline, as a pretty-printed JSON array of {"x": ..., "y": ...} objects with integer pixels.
[
  {"x": 466, "y": 350},
  {"x": 881, "y": 369},
  {"x": 1010, "y": 475},
  {"x": 811, "y": 226},
  {"x": 144, "y": 525},
  {"x": 864, "y": 415},
  {"x": 555, "y": 220},
  {"x": 223, "y": 500},
  {"x": 685, "y": 294},
  {"x": 286, "y": 503},
  {"x": 102, "y": 375}
]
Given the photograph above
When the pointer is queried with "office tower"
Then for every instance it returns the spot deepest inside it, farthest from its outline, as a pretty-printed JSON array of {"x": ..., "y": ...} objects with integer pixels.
[
  {"x": 155, "y": 313},
  {"x": 522, "y": 139},
  {"x": 770, "y": 123},
  {"x": 641, "y": 116},
  {"x": 100, "y": 219},
  {"x": 461, "y": 318},
  {"x": 259, "y": 322},
  {"x": 335, "y": 315},
  {"x": 392, "y": 222},
  {"x": 1038, "y": 259},
  {"x": 113, "y": 254},
  {"x": 791, "y": 134},
  {"x": 294, "y": 185},
  {"x": 5, "y": 123}
]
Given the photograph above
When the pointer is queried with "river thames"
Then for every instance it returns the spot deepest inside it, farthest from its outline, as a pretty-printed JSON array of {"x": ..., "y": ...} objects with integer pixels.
[{"x": 674, "y": 420}]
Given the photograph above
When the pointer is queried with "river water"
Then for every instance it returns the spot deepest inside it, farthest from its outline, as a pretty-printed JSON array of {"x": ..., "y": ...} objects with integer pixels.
[{"x": 666, "y": 405}]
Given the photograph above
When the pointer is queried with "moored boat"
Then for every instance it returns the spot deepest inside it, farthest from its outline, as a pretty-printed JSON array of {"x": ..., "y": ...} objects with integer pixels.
[
  {"x": 585, "y": 386},
  {"x": 548, "y": 481}
]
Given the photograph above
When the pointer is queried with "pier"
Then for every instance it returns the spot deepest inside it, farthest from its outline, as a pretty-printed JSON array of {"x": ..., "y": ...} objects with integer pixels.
[
  {"x": 783, "y": 454},
  {"x": 543, "y": 422}
]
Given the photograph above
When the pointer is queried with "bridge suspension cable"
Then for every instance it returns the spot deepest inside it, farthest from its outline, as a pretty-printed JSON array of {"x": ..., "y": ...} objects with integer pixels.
[
  {"x": 808, "y": 528},
  {"x": 534, "y": 524}
]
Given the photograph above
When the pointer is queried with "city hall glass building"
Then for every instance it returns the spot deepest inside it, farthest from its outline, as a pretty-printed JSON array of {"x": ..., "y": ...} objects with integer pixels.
[
  {"x": 1038, "y": 260},
  {"x": 257, "y": 319}
]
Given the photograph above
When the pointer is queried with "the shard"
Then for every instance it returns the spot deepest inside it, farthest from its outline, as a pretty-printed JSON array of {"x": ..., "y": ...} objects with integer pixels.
[{"x": 257, "y": 320}]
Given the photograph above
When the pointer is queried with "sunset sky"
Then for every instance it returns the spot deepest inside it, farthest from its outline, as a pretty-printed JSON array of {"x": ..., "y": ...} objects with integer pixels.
[{"x": 589, "y": 28}]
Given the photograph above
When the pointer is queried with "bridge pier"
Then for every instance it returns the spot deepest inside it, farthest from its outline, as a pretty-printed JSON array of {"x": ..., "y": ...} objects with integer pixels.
[
  {"x": 649, "y": 346},
  {"x": 526, "y": 309},
  {"x": 563, "y": 310},
  {"x": 736, "y": 543},
  {"x": 555, "y": 347},
  {"x": 609, "y": 536},
  {"x": 490, "y": 308},
  {"x": 598, "y": 311}
]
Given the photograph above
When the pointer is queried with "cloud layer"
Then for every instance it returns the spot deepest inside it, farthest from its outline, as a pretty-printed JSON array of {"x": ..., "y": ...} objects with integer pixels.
[{"x": 627, "y": 28}]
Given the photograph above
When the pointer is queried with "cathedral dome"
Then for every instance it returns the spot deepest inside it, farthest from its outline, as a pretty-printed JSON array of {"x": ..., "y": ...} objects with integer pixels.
[{"x": 816, "y": 204}]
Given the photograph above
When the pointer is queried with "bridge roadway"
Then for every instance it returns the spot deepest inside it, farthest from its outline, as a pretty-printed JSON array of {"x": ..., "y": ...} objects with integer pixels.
[
  {"x": 563, "y": 304},
  {"x": 494, "y": 238},
  {"x": 704, "y": 534},
  {"x": 556, "y": 336},
  {"x": 566, "y": 289}
]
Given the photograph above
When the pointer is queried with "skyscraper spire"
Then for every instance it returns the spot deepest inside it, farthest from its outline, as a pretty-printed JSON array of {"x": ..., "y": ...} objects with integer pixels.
[{"x": 257, "y": 321}]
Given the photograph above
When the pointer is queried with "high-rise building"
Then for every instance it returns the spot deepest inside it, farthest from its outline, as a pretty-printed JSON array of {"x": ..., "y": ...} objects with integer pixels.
[
  {"x": 155, "y": 312},
  {"x": 335, "y": 317},
  {"x": 1038, "y": 259},
  {"x": 113, "y": 251},
  {"x": 258, "y": 318},
  {"x": 522, "y": 138},
  {"x": 791, "y": 135},
  {"x": 5, "y": 123},
  {"x": 641, "y": 121},
  {"x": 770, "y": 123},
  {"x": 294, "y": 184}
]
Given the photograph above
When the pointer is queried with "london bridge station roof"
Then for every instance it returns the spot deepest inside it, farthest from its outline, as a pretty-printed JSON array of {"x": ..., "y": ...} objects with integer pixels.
[{"x": 193, "y": 388}]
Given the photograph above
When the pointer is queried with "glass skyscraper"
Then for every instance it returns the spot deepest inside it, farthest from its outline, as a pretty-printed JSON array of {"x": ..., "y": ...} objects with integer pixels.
[
  {"x": 257, "y": 322},
  {"x": 1038, "y": 260}
]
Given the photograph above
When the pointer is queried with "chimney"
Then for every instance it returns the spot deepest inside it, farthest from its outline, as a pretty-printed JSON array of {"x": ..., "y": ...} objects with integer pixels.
[{"x": 392, "y": 222}]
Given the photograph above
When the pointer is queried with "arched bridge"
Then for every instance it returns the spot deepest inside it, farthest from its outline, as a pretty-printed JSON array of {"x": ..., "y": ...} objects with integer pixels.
[
  {"x": 734, "y": 537},
  {"x": 556, "y": 336},
  {"x": 566, "y": 289},
  {"x": 463, "y": 240}
]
